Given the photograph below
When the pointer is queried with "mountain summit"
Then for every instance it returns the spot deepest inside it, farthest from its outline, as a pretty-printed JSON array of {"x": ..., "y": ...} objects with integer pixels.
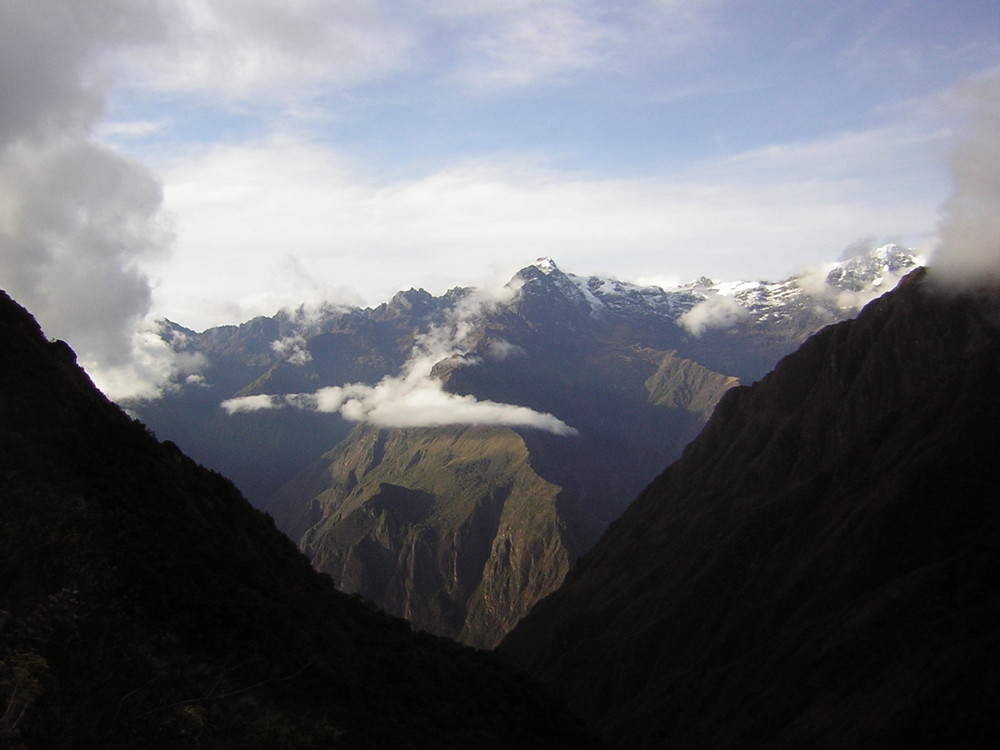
[{"x": 820, "y": 567}]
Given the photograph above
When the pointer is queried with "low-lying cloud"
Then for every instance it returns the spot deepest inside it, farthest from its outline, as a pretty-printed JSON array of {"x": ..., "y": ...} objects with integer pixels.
[
  {"x": 717, "y": 311},
  {"x": 416, "y": 397},
  {"x": 293, "y": 349}
]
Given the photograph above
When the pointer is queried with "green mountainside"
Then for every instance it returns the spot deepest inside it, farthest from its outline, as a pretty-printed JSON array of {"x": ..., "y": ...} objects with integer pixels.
[
  {"x": 434, "y": 524},
  {"x": 821, "y": 566},
  {"x": 145, "y": 604}
]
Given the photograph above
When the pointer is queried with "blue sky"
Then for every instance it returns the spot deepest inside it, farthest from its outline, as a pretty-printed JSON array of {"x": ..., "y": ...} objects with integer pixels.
[{"x": 209, "y": 160}]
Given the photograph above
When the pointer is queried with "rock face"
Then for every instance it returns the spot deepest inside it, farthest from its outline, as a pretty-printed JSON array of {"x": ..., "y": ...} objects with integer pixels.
[
  {"x": 144, "y": 603},
  {"x": 820, "y": 567},
  {"x": 634, "y": 371},
  {"x": 431, "y": 523}
]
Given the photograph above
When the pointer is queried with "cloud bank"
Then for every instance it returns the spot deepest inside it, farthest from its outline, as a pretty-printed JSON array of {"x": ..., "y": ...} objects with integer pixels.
[{"x": 416, "y": 397}]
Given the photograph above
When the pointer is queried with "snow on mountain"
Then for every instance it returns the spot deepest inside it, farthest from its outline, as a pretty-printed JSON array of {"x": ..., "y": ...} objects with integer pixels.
[
  {"x": 810, "y": 299},
  {"x": 831, "y": 289}
]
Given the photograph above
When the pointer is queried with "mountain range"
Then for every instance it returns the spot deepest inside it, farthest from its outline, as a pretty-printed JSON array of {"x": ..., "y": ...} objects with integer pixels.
[
  {"x": 820, "y": 568},
  {"x": 145, "y": 604},
  {"x": 449, "y": 458}
]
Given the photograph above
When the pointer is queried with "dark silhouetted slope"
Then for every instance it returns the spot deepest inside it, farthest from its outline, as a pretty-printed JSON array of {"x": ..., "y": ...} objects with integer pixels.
[
  {"x": 144, "y": 603},
  {"x": 821, "y": 567}
]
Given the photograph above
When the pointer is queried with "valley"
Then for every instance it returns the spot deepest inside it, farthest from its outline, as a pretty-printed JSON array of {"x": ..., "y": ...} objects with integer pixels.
[{"x": 493, "y": 433}]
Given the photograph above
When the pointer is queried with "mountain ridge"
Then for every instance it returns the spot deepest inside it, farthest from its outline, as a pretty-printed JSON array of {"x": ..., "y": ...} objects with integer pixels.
[
  {"x": 819, "y": 566},
  {"x": 604, "y": 382}
]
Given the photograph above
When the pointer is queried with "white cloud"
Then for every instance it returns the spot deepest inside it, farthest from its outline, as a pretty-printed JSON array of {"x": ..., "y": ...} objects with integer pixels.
[
  {"x": 250, "y": 403},
  {"x": 151, "y": 368},
  {"x": 500, "y": 350},
  {"x": 534, "y": 40},
  {"x": 269, "y": 52},
  {"x": 968, "y": 246},
  {"x": 293, "y": 349},
  {"x": 124, "y": 130},
  {"x": 243, "y": 209},
  {"x": 508, "y": 43},
  {"x": 415, "y": 397},
  {"x": 78, "y": 222},
  {"x": 74, "y": 224},
  {"x": 717, "y": 311}
]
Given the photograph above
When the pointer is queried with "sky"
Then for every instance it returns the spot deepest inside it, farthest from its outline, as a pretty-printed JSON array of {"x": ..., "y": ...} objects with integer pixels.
[{"x": 212, "y": 160}]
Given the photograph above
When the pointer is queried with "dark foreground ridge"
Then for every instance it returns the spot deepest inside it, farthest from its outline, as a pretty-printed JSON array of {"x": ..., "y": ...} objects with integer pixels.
[
  {"x": 821, "y": 568},
  {"x": 144, "y": 603}
]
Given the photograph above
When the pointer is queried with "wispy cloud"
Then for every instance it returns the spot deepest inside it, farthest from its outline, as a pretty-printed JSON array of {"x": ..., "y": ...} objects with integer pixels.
[
  {"x": 269, "y": 52},
  {"x": 512, "y": 43},
  {"x": 526, "y": 41},
  {"x": 416, "y": 396}
]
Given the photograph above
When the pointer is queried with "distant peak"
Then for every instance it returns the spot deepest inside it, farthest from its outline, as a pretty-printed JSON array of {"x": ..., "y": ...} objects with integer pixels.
[{"x": 546, "y": 265}]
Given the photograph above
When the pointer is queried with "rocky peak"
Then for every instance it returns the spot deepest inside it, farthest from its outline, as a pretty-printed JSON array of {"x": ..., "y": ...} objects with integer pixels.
[
  {"x": 872, "y": 268},
  {"x": 409, "y": 303}
]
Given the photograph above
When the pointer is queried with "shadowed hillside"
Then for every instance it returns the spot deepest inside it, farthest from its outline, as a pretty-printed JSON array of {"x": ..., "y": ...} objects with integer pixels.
[
  {"x": 821, "y": 567},
  {"x": 144, "y": 603}
]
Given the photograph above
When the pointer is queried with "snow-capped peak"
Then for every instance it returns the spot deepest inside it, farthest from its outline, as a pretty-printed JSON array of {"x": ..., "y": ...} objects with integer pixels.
[
  {"x": 546, "y": 265},
  {"x": 827, "y": 291}
]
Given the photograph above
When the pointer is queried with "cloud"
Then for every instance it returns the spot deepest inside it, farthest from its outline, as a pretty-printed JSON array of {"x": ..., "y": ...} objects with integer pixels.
[
  {"x": 50, "y": 56},
  {"x": 757, "y": 216},
  {"x": 293, "y": 349},
  {"x": 500, "y": 350},
  {"x": 511, "y": 43},
  {"x": 717, "y": 311},
  {"x": 416, "y": 397},
  {"x": 968, "y": 244},
  {"x": 77, "y": 221},
  {"x": 269, "y": 52},
  {"x": 152, "y": 368},
  {"x": 532, "y": 40},
  {"x": 288, "y": 53},
  {"x": 251, "y": 403}
]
